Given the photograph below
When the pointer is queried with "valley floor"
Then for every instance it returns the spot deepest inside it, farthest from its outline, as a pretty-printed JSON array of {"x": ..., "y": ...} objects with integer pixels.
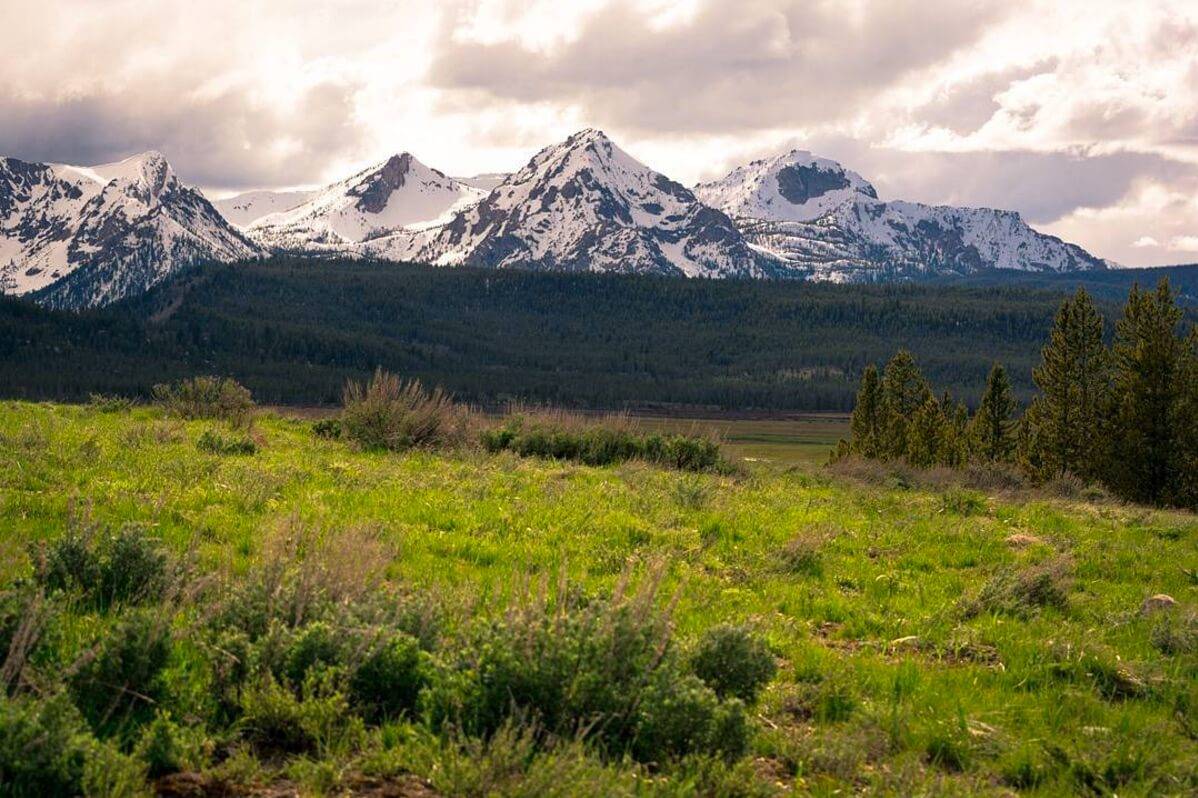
[{"x": 909, "y": 660}]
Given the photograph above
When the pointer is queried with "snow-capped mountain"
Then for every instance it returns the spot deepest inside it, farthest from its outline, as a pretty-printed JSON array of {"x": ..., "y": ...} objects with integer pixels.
[
  {"x": 826, "y": 222},
  {"x": 243, "y": 210},
  {"x": 396, "y": 200},
  {"x": 87, "y": 236},
  {"x": 586, "y": 205},
  {"x": 486, "y": 181}
]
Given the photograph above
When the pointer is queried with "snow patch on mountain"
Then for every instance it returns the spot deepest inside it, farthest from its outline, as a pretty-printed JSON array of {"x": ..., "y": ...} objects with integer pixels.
[{"x": 244, "y": 209}]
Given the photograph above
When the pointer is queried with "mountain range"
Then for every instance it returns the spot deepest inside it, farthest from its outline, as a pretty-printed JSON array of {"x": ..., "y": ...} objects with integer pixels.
[{"x": 74, "y": 237}]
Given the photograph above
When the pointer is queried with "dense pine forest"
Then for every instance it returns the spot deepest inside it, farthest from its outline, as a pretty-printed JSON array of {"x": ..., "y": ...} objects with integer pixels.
[{"x": 295, "y": 330}]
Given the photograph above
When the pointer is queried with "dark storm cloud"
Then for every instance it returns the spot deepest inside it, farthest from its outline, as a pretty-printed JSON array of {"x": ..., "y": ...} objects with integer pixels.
[
  {"x": 228, "y": 140},
  {"x": 733, "y": 66}
]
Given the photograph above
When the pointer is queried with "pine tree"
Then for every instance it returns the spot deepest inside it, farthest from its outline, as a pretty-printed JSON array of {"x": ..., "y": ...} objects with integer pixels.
[
  {"x": 956, "y": 436},
  {"x": 1147, "y": 390},
  {"x": 904, "y": 391},
  {"x": 1185, "y": 425},
  {"x": 925, "y": 435},
  {"x": 866, "y": 424},
  {"x": 992, "y": 431},
  {"x": 1063, "y": 425}
]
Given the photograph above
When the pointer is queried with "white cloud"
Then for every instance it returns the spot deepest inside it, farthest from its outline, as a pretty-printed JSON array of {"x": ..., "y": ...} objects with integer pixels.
[{"x": 1082, "y": 114}]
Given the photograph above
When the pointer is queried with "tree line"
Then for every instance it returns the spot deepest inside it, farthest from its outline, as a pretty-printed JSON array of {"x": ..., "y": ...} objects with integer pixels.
[{"x": 1124, "y": 415}]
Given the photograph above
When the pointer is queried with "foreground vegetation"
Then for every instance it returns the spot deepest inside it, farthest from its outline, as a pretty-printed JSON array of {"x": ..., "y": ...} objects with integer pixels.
[{"x": 311, "y": 614}]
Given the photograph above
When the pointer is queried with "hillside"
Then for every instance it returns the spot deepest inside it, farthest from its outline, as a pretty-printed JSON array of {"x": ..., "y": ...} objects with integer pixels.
[
  {"x": 295, "y": 329},
  {"x": 924, "y": 640}
]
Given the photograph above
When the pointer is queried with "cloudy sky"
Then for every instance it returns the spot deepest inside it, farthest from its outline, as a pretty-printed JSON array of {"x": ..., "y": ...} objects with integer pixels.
[{"x": 1081, "y": 114}]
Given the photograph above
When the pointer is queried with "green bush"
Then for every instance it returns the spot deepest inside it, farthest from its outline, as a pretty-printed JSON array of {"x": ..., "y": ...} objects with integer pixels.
[
  {"x": 214, "y": 443},
  {"x": 109, "y": 404},
  {"x": 316, "y": 645},
  {"x": 604, "y": 669},
  {"x": 329, "y": 428},
  {"x": 734, "y": 663},
  {"x": 132, "y": 569},
  {"x": 119, "y": 687},
  {"x": 45, "y": 750},
  {"x": 70, "y": 563},
  {"x": 128, "y": 567},
  {"x": 680, "y": 715},
  {"x": 220, "y": 398},
  {"x": 389, "y": 680},
  {"x": 275, "y": 720},
  {"x": 161, "y": 747},
  {"x": 597, "y": 445},
  {"x": 391, "y": 414}
]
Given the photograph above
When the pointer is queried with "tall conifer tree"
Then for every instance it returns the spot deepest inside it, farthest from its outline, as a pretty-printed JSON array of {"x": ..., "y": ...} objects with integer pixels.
[
  {"x": 992, "y": 431},
  {"x": 1148, "y": 367},
  {"x": 1066, "y": 420},
  {"x": 866, "y": 424},
  {"x": 1185, "y": 424},
  {"x": 904, "y": 391}
]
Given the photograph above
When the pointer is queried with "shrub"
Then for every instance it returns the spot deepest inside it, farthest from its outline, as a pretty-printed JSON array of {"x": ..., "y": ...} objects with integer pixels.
[
  {"x": 679, "y": 715},
  {"x": 801, "y": 555},
  {"x": 605, "y": 669},
  {"x": 133, "y": 568},
  {"x": 220, "y": 398},
  {"x": 389, "y": 680},
  {"x": 45, "y": 750},
  {"x": 275, "y": 720},
  {"x": 214, "y": 443},
  {"x": 161, "y": 747},
  {"x": 109, "y": 404},
  {"x": 121, "y": 683},
  {"x": 1176, "y": 633},
  {"x": 68, "y": 563},
  {"x": 599, "y": 445},
  {"x": 392, "y": 414},
  {"x": 316, "y": 645},
  {"x": 125, "y": 568},
  {"x": 329, "y": 428},
  {"x": 734, "y": 663},
  {"x": 1021, "y": 592},
  {"x": 963, "y": 502}
]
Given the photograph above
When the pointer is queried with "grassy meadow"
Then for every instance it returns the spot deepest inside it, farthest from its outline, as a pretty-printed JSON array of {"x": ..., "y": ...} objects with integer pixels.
[{"x": 929, "y": 638}]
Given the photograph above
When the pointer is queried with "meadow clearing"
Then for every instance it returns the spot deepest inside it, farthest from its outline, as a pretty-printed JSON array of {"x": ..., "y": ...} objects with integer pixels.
[{"x": 926, "y": 637}]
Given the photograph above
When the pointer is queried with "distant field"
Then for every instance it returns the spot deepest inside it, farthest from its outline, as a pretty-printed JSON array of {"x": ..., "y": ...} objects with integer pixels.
[{"x": 782, "y": 442}]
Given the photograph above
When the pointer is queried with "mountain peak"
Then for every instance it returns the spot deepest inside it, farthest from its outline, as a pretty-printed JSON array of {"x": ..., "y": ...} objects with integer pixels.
[{"x": 587, "y": 135}]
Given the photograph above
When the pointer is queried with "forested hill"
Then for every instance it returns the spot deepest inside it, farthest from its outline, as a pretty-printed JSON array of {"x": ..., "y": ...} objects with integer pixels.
[{"x": 294, "y": 330}]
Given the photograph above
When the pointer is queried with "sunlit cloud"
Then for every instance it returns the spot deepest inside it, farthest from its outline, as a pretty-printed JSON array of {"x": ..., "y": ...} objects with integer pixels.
[{"x": 1082, "y": 115}]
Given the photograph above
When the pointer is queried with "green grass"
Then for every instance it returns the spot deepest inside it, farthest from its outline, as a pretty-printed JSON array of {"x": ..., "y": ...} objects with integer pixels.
[{"x": 886, "y": 682}]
